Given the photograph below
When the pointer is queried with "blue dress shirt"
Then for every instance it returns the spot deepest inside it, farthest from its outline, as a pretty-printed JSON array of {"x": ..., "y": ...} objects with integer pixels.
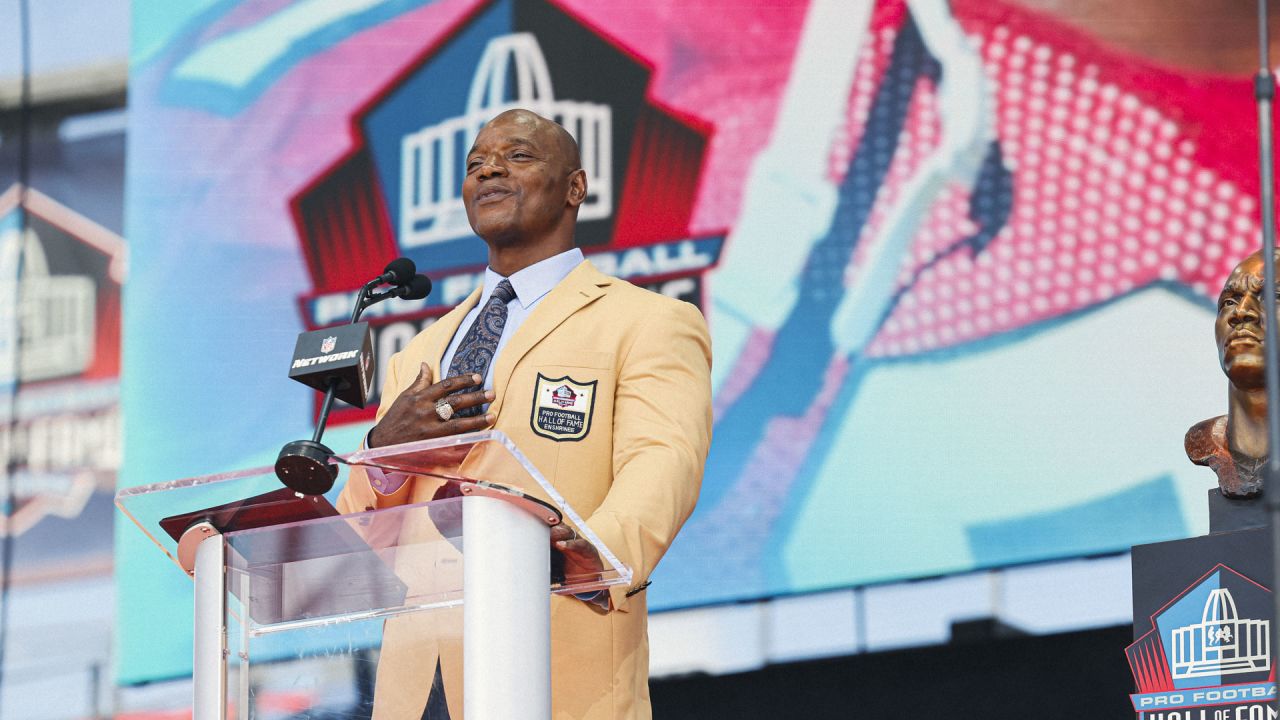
[{"x": 531, "y": 285}]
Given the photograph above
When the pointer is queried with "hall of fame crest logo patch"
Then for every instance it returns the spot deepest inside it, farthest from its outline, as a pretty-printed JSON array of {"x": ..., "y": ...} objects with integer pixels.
[{"x": 562, "y": 407}]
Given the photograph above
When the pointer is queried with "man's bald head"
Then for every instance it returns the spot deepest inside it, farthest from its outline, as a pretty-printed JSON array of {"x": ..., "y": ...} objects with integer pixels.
[
  {"x": 566, "y": 148},
  {"x": 523, "y": 187}
]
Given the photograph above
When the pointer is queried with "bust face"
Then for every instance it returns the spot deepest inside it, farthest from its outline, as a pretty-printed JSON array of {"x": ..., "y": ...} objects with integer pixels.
[{"x": 1240, "y": 324}]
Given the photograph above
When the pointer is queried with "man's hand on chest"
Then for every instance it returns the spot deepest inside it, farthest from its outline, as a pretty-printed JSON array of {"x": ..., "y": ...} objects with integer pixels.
[{"x": 428, "y": 410}]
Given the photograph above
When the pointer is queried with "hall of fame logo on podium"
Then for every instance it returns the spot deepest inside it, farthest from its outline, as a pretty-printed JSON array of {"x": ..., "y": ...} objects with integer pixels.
[
  {"x": 1221, "y": 643},
  {"x": 1208, "y": 648}
]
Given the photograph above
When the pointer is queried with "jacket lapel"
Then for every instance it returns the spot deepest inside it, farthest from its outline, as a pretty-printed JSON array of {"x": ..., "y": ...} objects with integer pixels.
[
  {"x": 577, "y": 290},
  {"x": 447, "y": 328}
]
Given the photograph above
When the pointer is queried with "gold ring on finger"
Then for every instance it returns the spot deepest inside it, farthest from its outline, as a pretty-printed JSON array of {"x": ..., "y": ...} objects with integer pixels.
[{"x": 444, "y": 410}]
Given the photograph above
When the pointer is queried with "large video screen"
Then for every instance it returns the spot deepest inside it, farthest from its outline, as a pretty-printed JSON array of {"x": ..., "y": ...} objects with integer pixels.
[{"x": 959, "y": 259}]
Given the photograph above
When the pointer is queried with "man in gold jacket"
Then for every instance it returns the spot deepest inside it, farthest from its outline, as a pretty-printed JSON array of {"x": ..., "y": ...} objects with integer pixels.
[{"x": 631, "y": 463}]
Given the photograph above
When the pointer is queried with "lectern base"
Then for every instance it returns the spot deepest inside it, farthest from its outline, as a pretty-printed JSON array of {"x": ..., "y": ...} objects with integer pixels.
[
  {"x": 209, "y": 671},
  {"x": 507, "y": 613}
]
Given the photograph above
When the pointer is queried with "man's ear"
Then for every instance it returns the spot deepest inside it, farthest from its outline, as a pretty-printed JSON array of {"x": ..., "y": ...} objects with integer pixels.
[{"x": 577, "y": 187}]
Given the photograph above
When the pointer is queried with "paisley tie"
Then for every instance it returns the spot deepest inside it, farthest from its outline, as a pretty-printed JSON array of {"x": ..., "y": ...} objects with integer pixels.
[{"x": 475, "y": 352}]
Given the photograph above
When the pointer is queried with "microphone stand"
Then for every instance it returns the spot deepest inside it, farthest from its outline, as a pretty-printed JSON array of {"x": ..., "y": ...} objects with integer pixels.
[
  {"x": 362, "y": 301},
  {"x": 305, "y": 465},
  {"x": 1264, "y": 92}
]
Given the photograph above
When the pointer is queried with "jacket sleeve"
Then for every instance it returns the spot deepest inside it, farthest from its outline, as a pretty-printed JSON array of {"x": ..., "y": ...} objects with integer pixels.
[
  {"x": 358, "y": 494},
  {"x": 661, "y": 434}
]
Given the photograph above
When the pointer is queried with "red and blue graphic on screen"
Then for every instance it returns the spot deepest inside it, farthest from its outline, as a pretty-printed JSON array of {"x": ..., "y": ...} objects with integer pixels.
[
  {"x": 290, "y": 155},
  {"x": 397, "y": 192}
]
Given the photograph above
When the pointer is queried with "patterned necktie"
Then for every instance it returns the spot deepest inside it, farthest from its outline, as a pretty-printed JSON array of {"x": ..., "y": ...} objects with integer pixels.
[{"x": 476, "y": 350}]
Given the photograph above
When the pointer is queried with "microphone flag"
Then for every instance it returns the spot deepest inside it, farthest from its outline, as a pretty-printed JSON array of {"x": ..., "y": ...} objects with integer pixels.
[{"x": 343, "y": 353}]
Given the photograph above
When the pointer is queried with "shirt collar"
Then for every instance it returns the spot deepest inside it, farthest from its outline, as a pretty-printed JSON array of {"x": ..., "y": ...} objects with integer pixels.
[{"x": 533, "y": 282}]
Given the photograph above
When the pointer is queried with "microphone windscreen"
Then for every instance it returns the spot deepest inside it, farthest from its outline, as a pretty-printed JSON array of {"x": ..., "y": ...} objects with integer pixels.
[
  {"x": 401, "y": 270},
  {"x": 419, "y": 287}
]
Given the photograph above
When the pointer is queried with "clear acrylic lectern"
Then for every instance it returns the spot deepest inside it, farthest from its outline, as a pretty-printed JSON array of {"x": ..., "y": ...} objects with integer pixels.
[{"x": 451, "y": 595}]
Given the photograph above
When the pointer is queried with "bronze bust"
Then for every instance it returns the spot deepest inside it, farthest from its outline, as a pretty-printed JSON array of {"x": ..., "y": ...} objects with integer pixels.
[{"x": 1235, "y": 445}]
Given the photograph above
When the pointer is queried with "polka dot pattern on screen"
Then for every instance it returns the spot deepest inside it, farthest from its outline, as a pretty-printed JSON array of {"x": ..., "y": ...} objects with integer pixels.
[{"x": 1108, "y": 197}]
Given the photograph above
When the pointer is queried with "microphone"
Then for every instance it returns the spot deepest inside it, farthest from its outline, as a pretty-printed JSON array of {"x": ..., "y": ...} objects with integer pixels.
[
  {"x": 419, "y": 287},
  {"x": 339, "y": 362},
  {"x": 397, "y": 272}
]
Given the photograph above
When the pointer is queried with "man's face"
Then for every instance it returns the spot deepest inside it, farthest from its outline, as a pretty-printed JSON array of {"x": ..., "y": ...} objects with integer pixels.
[
  {"x": 517, "y": 183},
  {"x": 1240, "y": 323}
]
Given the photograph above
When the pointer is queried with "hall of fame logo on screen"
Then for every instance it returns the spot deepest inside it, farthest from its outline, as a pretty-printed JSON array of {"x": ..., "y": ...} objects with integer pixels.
[
  {"x": 398, "y": 192},
  {"x": 60, "y": 289},
  {"x": 1207, "y": 655}
]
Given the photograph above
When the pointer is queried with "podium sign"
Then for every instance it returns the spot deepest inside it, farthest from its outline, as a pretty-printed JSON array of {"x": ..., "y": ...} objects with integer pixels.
[
  {"x": 1202, "y": 627},
  {"x": 423, "y": 590}
]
